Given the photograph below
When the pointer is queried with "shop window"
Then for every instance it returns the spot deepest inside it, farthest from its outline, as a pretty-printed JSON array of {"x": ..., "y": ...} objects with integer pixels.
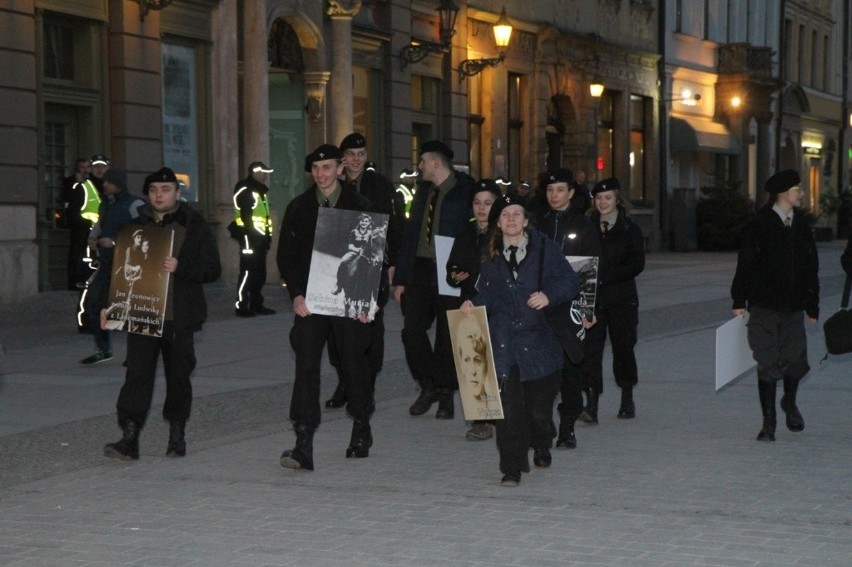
[
  {"x": 180, "y": 116},
  {"x": 636, "y": 157},
  {"x": 605, "y": 145}
]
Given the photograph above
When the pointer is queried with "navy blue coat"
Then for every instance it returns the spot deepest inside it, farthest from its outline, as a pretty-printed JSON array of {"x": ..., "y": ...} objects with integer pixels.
[{"x": 520, "y": 334}]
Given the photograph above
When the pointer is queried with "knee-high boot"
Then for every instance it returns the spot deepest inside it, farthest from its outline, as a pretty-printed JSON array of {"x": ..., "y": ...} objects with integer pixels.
[
  {"x": 795, "y": 421},
  {"x": 361, "y": 440},
  {"x": 302, "y": 455},
  {"x": 766, "y": 391}
]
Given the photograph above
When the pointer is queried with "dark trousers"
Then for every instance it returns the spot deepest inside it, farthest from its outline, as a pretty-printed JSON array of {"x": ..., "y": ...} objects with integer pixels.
[
  {"x": 421, "y": 306},
  {"x": 78, "y": 271},
  {"x": 778, "y": 343},
  {"x": 143, "y": 352},
  {"x": 571, "y": 388},
  {"x": 621, "y": 322},
  {"x": 375, "y": 352},
  {"x": 352, "y": 340},
  {"x": 527, "y": 418},
  {"x": 98, "y": 288},
  {"x": 252, "y": 280}
]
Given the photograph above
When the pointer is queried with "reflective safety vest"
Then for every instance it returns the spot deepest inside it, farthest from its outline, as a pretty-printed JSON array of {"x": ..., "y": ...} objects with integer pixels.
[
  {"x": 407, "y": 197},
  {"x": 91, "y": 201},
  {"x": 259, "y": 214}
]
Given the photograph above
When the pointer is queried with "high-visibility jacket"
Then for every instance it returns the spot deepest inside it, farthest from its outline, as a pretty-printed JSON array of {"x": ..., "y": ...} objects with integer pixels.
[
  {"x": 260, "y": 210},
  {"x": 91, "y": 202}
]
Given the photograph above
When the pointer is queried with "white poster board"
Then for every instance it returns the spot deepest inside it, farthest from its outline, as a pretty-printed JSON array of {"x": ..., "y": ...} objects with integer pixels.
[
  {"x": 443, "y": 247},
  {"x": 733, "y": 355}
]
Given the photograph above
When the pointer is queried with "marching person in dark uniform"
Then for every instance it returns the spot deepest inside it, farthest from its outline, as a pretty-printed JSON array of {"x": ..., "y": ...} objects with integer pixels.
[
  {"x": 194, "y": 261},
  {"x": 776, "y": 280},
  {"x": 576, "y": 236},
  {"x": 441, "y": 207},
  {"x": 310, "y": 331},
  {"x": 82, "y": 201},
  {"x": 467, "y": 255},
  {"x": 254, "y": 228},
  {"x": 384, "y": 199},
  {"x": 617, "y": 304}
]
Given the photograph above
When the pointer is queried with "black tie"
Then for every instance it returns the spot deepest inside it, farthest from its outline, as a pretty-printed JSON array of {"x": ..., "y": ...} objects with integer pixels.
[
  {"x": 788, "y": 222},
  {"x": 513, "y": 258},
  {"x": 604, "y": 227},
  {"x": 430, "y": 215},
  {"x": 326, "y": 203}
]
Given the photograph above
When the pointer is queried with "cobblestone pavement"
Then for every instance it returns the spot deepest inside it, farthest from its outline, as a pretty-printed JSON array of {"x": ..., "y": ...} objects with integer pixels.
[{"x": 685, "y": 483}]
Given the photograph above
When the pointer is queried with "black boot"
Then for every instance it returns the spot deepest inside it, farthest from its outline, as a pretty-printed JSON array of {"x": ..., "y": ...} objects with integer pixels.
[
  {"x": 361, "y": 440},
  {"x": 302, "y": 455},
  {"x": 766, "y": 391},
  {"x": 446, "y": 406},
  {"x": 177, "y": 440},
  {"x": 338, "y": 398},
  {"x": 628, "y": 408},
  {"x": 127, "y": 449},
  {"x": 590, "y": 412},
  {"x": 424, "y": 401},
  {"x": 542, "y": 458},
  {"x": 795, "y": 421},
  {"x": 566, "y": 438}
]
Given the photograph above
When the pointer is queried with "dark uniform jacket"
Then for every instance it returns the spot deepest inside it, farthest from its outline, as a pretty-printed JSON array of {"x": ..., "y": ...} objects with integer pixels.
[
  {"x": 455, "y": 214},
  {"x": 777, "y": 267},
  {"x": 198, "y": 263},
  {"x": 520, "y": 334},
  {"x": 572, "y": 231},
  {"x": 467, "y": 255},
  {"x": 622, "y": 259},
  {"x": 296, "y": 242}
]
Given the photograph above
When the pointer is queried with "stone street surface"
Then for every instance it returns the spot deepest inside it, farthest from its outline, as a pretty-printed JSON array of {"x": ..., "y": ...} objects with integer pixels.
[{"x": 685, "y": 483}]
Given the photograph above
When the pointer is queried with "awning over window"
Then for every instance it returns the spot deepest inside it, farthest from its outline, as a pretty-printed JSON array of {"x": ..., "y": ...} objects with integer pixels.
[{"x": 698, "y": 134}]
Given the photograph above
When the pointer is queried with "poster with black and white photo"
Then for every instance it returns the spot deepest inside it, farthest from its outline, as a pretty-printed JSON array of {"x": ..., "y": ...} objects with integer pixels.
[
  {"x": 586, "y": 268},
  {"x": 139, "y": 285},
  {"x": 346, "y": 266}
]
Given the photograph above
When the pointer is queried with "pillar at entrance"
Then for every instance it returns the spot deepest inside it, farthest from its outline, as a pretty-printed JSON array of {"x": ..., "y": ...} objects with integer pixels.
[
  {"x": 341, "y": 13},
  {"x": 255, "y": 84}
]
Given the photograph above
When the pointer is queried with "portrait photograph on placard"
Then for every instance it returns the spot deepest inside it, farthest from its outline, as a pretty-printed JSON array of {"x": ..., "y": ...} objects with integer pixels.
[
  {"x": 474, "y": 360},
  {"x": 346, "y": 265},
  {"x": 139, "y": 285},
  {"x": 586, "y": 268}
]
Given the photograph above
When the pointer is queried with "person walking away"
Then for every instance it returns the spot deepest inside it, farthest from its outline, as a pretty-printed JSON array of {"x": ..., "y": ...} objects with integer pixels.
[
  {"x": 194, "y": 261},
  {"x": 463, "y": 265},
  {"x": 254, "y": 228},
  {"x": 776, "y": 281},
  {"x": 525, "y": 273},
  {"x": 617, "y": 303},
  {"x": 441, "y": 207},
  {"x": 575, "y": 234}
]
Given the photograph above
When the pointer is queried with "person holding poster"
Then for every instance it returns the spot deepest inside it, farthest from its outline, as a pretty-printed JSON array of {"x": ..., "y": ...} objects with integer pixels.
[
  {"x": 463, "y": 267},
  {"x": 441, "y": 207},
  {"x": 310, "y": 331},
  {"x": 575, "y": 234},
  {"x": 527, "y": 354},
  {"x": 776, "y": 280},
  {"x": 617, "y": 303},
  {"x": 195, "y": 261}
]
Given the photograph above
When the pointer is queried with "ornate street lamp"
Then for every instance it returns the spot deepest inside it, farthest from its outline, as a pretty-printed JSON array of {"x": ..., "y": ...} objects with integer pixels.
[
  {"x": 417, "y": 50},
  {"x": 502, "y": 35},
  {"x": 146, "y": 6}
]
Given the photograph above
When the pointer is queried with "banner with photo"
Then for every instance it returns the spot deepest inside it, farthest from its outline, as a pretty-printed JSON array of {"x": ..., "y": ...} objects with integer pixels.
[
  {"x": 474, "y": 360},
  {"x": 139, "y": 285},
  {"x": 586, "y": 268},
  {"x": 346, "y": 265}
]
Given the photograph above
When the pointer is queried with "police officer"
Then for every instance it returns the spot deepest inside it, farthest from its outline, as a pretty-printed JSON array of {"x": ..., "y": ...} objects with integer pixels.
[
  {"x": 251, "y": 216},
  {"x": 100, "y": 165},
  {"x": 81, "y": 200},
  {"x": 310, "y": 332},
  {"x": 384, "y": 199},
  {"x": 193, "y": 262}
]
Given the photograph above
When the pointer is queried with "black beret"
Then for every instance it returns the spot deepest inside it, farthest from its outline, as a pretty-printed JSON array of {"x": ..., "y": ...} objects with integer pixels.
[
  {"x": 256, "y": 166},
  {"x": 99, "y": 159},
  {"x": 487, "y": 185},
  {"x": 561, "y": 175},
  {"x": 608, "y": 184},
  {"x": 504, "y": 201},
  {"x": 782, "y": 181},
  {"x": 324, "y": 152},
  {"x": 437, "y": 146},
  {"x": 164, "y": 175},
  {"x": 353, "y": 140}
]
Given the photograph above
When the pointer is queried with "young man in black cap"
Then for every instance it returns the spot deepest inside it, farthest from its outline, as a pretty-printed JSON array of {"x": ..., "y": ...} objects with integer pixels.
[
  {"x": 117, "y": 208},
  {"x": 310, "y": 331},
  {"x": 384, "y": 199},
  {"x": 442, "y": 206},
  {"x": 776, "y": 280},
  {"x": 254, "y": 228},
  {"x": 194, "y": 261}
]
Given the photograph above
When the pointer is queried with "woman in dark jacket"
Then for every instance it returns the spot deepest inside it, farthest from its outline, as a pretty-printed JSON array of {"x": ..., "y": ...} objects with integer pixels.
[
  {"x": 527, "y": 354},
  {"x": 576, "y": 235},
  {"x": 464, "y": 261},
  {"x": 617, "y": 303}
]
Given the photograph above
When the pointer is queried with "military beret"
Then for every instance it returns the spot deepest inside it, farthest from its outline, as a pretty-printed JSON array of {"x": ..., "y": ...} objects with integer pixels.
[
  {"x": 164, "y": 175},
  {"x": 353, "y": 140},
  {"x": 561, "y": 175},
  {"x": 99, "y": 159},
  {"x": 324, "y": 152},
  {"x": 505, "y": 201},
  {"x": 782, "y": 181},
  {"x": 608, "y": 184},
  {"x": 437, "y": 146}
]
